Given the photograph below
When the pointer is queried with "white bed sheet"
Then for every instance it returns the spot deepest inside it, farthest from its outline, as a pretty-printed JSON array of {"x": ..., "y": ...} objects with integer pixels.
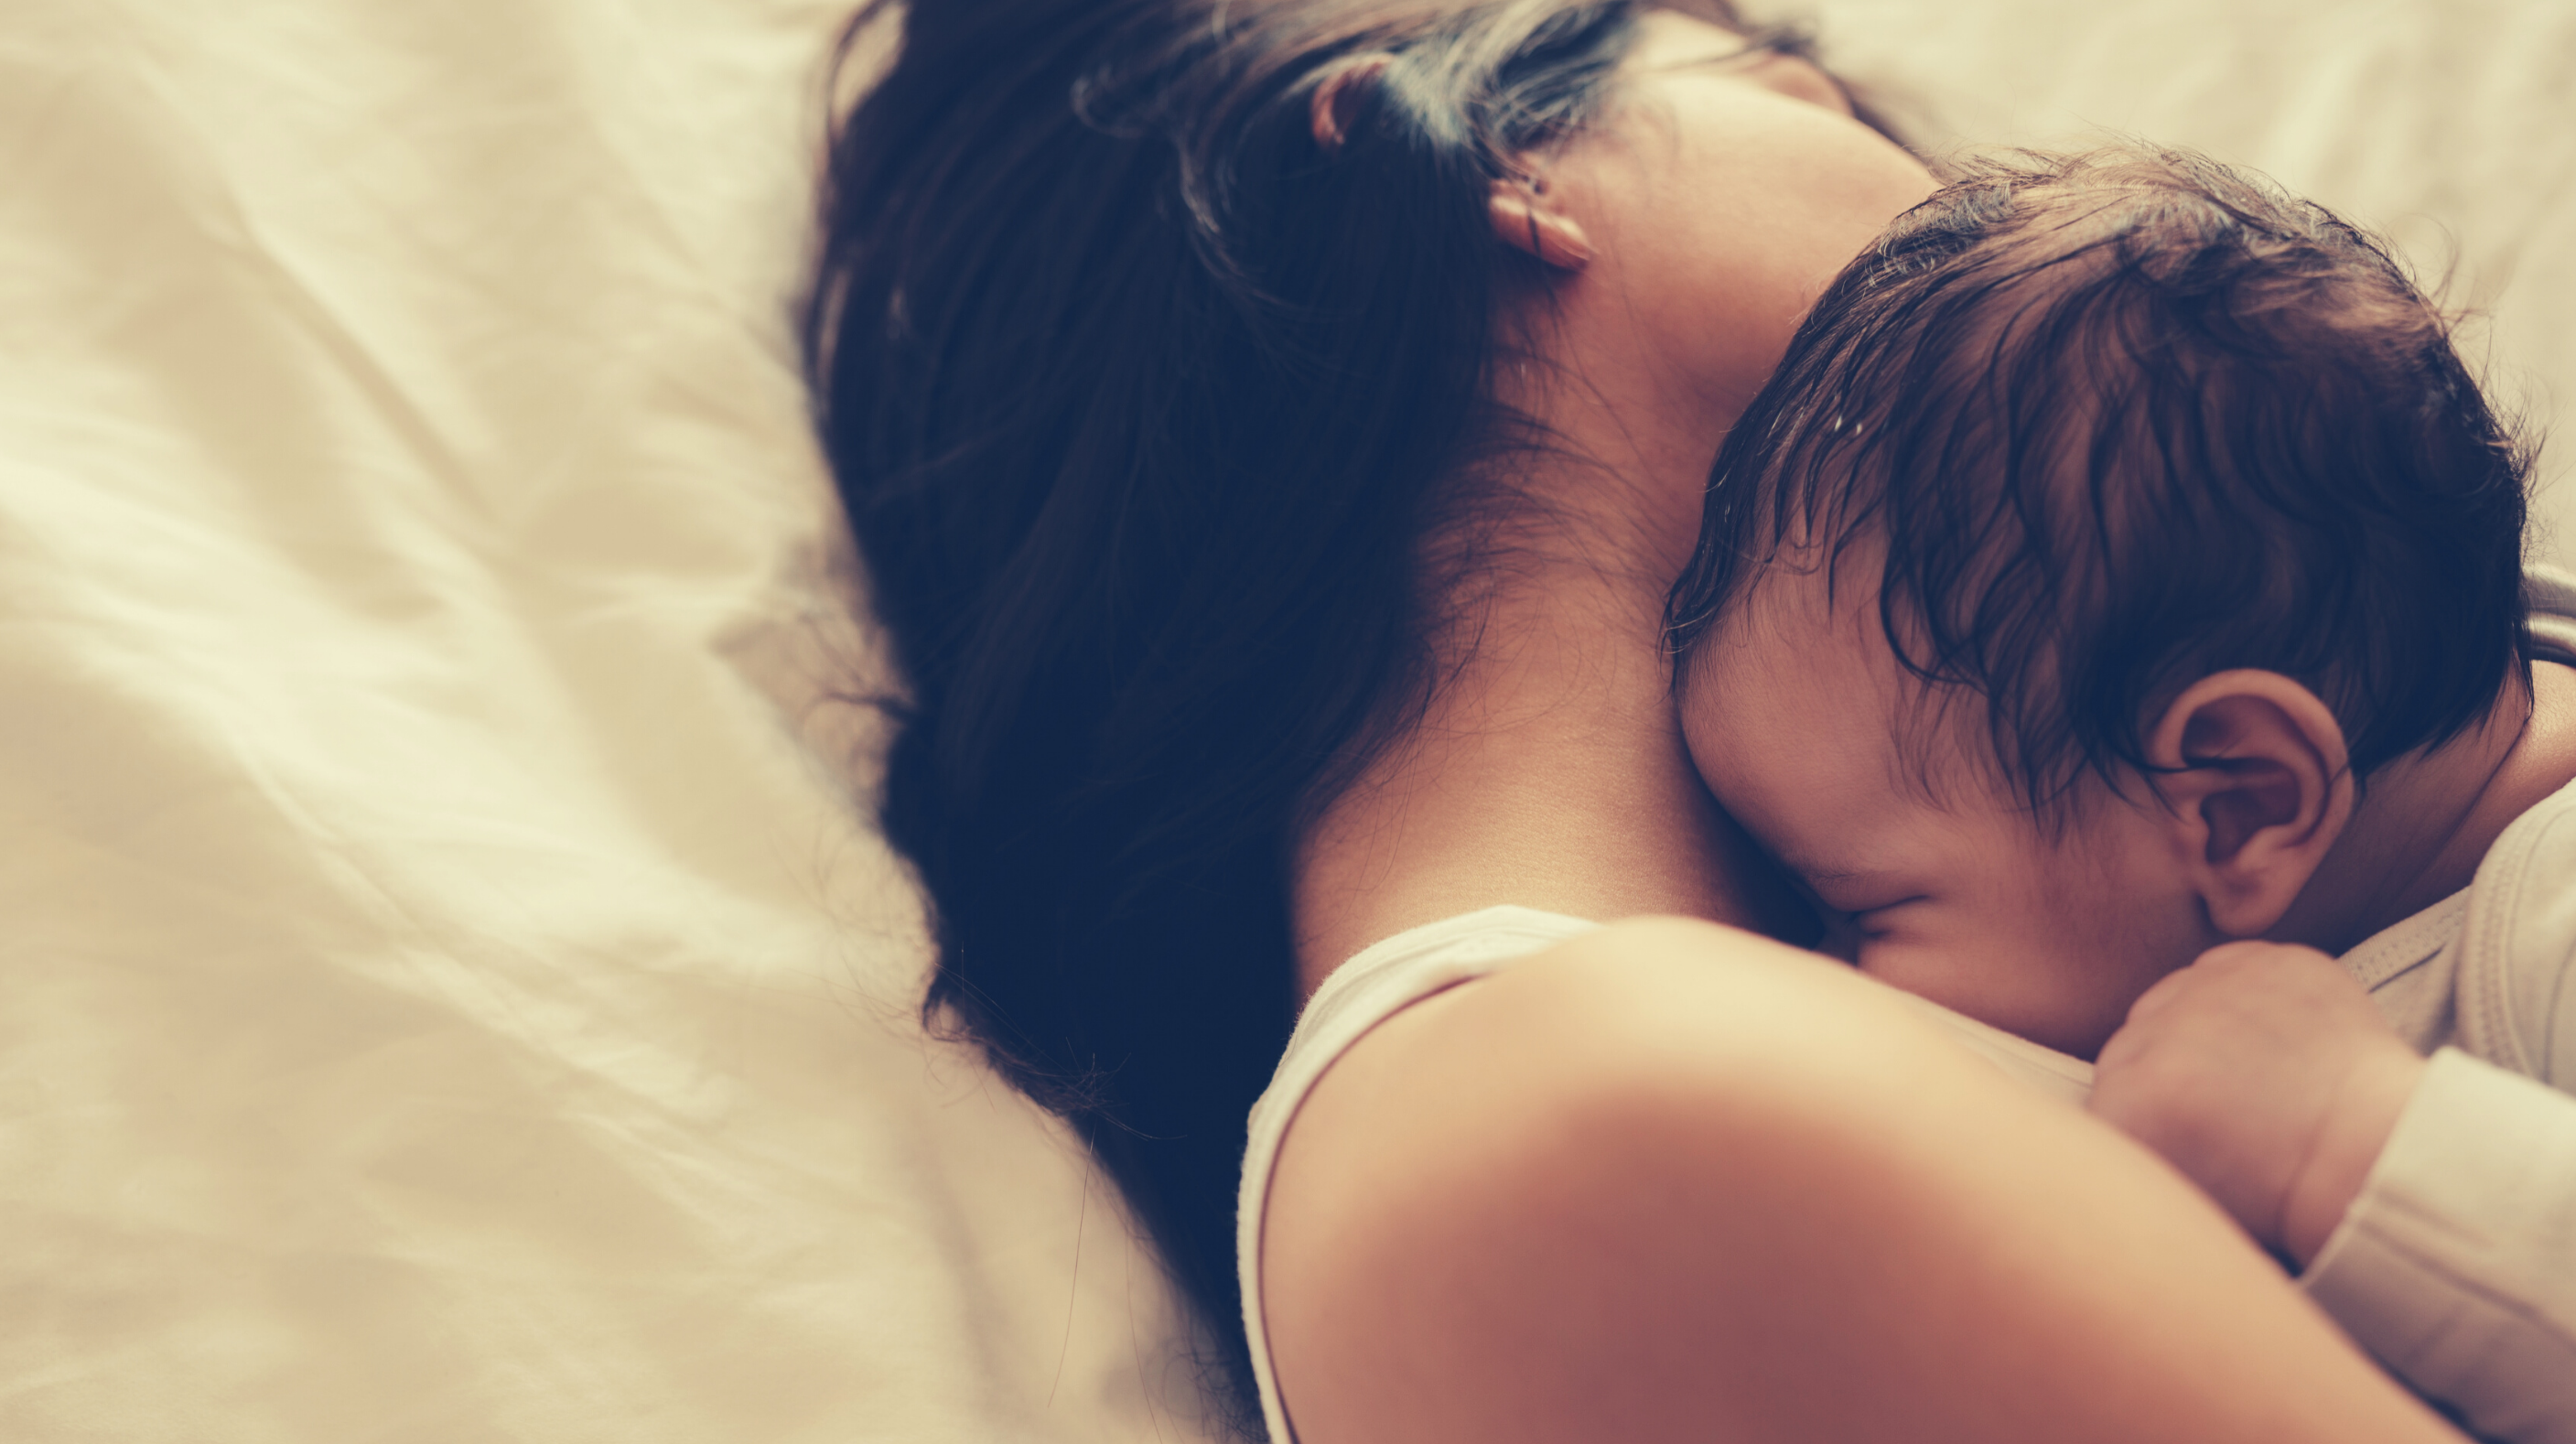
[
  {"x": 2447, "y": 125},
  {"x": 448, "y": 996},
  {"x": 443, "y": 1003}
]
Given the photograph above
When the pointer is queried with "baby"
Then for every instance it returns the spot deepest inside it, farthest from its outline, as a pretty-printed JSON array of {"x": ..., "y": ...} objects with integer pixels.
[{"x": 2112, "y": 612}]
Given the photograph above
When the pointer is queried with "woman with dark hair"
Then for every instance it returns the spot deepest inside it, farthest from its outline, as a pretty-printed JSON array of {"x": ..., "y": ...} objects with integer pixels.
[{"x": 1270, "y": 427}]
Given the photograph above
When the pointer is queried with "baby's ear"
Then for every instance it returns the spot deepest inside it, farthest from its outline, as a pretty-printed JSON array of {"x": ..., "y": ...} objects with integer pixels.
[{"x": 2258, "y": 785}]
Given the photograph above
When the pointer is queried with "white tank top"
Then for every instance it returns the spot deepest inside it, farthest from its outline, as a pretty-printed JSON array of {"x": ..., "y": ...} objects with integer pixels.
[{"x": 1411, "y": 966}]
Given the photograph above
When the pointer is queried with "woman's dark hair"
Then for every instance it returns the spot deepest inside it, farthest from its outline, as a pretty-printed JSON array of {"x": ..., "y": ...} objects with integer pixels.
[
  {"x": 1142, "y": 401},
  {"x": 2111, "y": 422}
]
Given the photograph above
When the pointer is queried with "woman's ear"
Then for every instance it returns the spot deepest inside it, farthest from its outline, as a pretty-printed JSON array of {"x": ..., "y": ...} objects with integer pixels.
[
  {"x": 1523, "y": 214},
  {"x": 1336, "y": 101},
  {"x": 1526, "y": 216},
  {"x": 2257, "y": 785}
]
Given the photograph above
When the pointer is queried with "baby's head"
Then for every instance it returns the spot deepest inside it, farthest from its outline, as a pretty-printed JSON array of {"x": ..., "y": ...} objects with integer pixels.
[{"x": 2106, "y": 530}]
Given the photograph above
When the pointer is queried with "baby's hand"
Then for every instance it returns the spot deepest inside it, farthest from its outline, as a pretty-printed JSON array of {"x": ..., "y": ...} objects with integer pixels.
[{"x": 2266, "y": 1074}]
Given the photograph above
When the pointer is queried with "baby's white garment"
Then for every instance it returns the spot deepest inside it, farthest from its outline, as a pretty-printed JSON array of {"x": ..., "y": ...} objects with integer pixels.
[
  {"x": 2456, "y": 1265},
  {"x": 1403, "y": 970}
]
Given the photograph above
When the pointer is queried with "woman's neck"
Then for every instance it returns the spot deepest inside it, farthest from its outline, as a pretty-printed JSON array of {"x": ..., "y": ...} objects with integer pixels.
[{"x": 1548, "y": 769}]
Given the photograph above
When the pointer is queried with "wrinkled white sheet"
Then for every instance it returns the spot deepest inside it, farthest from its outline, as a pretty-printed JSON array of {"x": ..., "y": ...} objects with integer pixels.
[
  {"x": 2448, "y": 125},
  {"x": 441, "y": 1001},
  {"x": 447, "y": 995}
]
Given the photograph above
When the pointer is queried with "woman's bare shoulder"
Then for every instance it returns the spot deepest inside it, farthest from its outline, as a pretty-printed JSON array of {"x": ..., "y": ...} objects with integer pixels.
[{"x": 1670, "y": 1180}]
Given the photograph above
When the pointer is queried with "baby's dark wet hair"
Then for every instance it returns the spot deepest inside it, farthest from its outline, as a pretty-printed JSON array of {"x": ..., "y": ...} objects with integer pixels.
[{"x": 2117, "y": 421}]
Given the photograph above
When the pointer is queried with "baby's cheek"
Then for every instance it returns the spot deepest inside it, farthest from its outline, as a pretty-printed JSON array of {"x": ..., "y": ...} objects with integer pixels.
[
  {"x": 1974, "y": 982},
  {"x": 2022, "y": 985}
]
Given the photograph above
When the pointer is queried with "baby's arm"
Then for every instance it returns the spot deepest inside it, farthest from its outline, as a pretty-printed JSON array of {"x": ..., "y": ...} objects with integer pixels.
[{"x": 2266, "y": 1074}]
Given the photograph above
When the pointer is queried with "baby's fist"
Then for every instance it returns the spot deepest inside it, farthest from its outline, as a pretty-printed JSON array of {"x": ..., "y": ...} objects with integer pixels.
[{"x": 2266, "y": 1074}]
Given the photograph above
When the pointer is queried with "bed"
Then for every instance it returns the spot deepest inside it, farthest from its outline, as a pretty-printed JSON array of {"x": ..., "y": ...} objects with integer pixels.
[{"x": 452, "y": 993}]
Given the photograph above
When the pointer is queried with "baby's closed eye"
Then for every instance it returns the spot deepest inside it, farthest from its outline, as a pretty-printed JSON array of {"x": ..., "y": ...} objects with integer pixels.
[{"x": 1858, "y": 896}]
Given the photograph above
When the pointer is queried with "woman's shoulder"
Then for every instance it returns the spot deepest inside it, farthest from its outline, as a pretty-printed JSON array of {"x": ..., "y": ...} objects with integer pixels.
[
  {"x": 1440, "y": 1196},
  {"x": 1667, "y": 1180}
]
